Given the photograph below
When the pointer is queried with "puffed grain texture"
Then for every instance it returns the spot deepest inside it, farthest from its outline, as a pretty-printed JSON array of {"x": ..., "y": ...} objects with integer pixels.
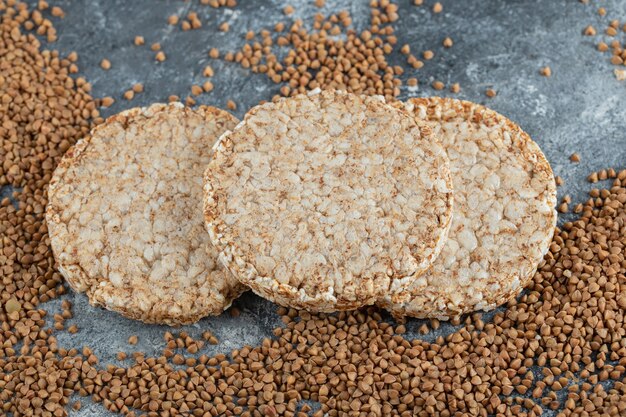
[
  {"x": 327, "y": 201},
  {"x": 125, "y": 215},
  {"x": 503, "y": 218}
]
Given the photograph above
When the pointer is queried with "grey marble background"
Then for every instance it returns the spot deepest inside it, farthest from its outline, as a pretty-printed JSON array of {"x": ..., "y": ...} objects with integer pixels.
[{"x": 499, "y": 44}]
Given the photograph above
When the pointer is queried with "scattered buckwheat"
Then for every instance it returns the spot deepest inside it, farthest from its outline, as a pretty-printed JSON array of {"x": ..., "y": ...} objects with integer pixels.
[
  {"x": 107, "y": 101},
  {"x": 57, "y": 12},
  {"x": 438, "y": 85},
  {"x": 559, "y": 181},
  {"x": 208, "y": 71},
  {"x": 589, "y": 31},
  {"x": 196, "y": 90},
  {"x": 546, "y": 71}
]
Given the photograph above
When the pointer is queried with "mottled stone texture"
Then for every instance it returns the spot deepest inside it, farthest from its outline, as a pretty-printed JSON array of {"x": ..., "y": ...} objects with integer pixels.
[{"x": 499, "y": 44}]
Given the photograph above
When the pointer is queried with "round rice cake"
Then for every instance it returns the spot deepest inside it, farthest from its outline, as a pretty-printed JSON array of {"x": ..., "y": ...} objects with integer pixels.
[
  {"x": 327, "y": 201},
  {"x": 503, "y": 218},
  {"x": 125, "y": 215}
]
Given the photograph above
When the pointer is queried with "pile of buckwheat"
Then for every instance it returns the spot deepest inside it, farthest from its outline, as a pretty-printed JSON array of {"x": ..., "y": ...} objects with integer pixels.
[
  {"x": 44, "y": 111},
  {"x": 325, "y": 53},
  {"x": 561, "y": 346},
  {"x": 321, "y": 58}
]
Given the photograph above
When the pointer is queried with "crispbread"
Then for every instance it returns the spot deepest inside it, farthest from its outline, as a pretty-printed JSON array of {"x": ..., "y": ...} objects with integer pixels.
[
  {"x": 503, "y": 217},
  {"x": 327, "y": 201},
  {"x": 125, "y": 215}
]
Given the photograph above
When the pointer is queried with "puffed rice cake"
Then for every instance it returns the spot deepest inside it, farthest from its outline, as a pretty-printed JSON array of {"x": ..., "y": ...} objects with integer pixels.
[
  {"x": 503, "y": 218},
  {"x": 327, "y": 201},
  {"x": 125, "y": 216}
]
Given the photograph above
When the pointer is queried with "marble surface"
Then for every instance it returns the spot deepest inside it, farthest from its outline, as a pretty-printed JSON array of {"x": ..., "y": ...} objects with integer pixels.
[{"x": 499, "y": 44}]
